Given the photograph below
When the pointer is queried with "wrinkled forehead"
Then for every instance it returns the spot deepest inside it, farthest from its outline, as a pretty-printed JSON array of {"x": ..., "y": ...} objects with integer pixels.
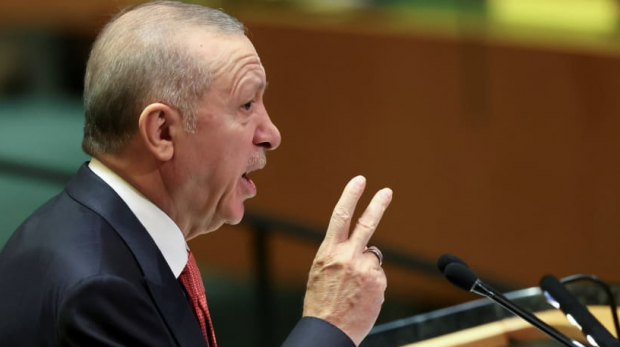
[{"x": 225, "y": 55}]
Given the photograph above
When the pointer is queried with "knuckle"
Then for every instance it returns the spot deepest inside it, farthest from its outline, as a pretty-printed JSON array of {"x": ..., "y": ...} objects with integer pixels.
[
  {"x": 368, "y": 278},
  {"x": 367, "y": 223},
  {"x": 383, "y": 284},
  {"x": 341, "y": 215},
  {"x": 331, "y": 262},
  {"x": 376, "y": 280}
]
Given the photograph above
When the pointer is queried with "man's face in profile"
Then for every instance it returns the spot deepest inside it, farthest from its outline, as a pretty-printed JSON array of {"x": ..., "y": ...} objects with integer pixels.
[{"x": 233, "y": 131}]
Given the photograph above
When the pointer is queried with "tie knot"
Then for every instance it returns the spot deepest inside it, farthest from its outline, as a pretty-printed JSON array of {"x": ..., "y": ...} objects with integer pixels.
[{"x": 190, "y": 277}]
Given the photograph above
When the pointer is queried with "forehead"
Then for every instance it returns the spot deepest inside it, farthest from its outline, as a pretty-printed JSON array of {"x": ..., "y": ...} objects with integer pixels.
[{"x": 222, "y": 53}]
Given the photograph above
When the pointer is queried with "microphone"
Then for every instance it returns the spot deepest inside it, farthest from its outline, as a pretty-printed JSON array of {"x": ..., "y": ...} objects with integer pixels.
[
  {"x": 463, "y": 277},
  {"x": 448, "y": 259},
  {"x": 559, "y": 297}
]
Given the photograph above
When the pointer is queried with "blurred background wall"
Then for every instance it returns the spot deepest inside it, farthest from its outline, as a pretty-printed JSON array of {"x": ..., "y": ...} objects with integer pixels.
[{"x": 495, "y": 123}]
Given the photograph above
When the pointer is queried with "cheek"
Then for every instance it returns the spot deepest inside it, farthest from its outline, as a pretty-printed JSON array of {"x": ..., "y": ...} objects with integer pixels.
[
  {"x": 227, "y": 170},
  {"x": 230, "y": 152}
]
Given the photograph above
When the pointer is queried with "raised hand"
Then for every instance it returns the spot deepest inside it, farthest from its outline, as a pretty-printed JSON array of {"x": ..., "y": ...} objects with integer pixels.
[{"x": 346, "y": 285}]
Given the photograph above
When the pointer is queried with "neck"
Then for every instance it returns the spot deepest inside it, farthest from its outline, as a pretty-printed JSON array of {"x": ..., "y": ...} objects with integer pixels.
[{"x": 147, "y": 176}]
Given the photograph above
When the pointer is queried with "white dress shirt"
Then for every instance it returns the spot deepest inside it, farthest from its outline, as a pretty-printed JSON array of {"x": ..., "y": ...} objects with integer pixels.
[{"x": 166, "y": 234}]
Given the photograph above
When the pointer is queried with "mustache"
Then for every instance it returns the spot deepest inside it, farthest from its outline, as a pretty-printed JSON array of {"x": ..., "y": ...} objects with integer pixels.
[{"x": 258, "y": 160}]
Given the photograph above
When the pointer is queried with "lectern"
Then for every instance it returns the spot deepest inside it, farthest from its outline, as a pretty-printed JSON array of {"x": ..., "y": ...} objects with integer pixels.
[{"x": 481, "y": 323}]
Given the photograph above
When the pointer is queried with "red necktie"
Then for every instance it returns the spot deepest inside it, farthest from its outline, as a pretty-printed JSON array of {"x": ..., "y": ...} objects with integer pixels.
[{"x": 191, "y": 280}]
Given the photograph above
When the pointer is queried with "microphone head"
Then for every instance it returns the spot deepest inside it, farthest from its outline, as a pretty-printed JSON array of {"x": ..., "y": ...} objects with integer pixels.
[
  {"x": 448, "y": 259},
  {"x": 549, "y": 281},
  {"x": 560, "y": 295},
  {"x": 461, "y": 276}
]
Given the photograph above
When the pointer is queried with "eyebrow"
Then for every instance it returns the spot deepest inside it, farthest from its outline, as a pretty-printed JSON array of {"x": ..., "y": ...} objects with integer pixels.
[{"x": 262, "y": 87}]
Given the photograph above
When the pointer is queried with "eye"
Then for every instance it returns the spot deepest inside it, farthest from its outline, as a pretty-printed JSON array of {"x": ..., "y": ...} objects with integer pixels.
[{"x": 247, "y": 106}]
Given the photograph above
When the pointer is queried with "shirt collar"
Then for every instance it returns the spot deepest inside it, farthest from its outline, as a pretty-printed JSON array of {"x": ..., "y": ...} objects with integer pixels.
[{"x": 166, "y": 234}]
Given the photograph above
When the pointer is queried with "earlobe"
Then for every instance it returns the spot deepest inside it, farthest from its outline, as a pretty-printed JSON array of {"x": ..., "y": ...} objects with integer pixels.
[{"x": 155, "y": 127}]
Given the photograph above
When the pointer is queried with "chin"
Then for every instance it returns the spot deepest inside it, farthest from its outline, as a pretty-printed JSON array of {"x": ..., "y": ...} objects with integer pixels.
[
  {"x": 236, "y": 220},
  {"x": 235, "y": 216}
]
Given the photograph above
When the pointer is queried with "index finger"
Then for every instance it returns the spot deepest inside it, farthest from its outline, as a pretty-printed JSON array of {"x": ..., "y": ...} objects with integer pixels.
[
  {"x": 369, "y": 221},
  {"x": 340, "y": 222}
]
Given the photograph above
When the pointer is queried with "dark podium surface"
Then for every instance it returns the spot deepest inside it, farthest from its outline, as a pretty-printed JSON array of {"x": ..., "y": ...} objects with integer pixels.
[{"x": 477, "y": 313}]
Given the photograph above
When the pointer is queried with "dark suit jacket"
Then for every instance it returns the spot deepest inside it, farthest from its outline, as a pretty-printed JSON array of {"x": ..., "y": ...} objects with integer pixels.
[{"x": 83, "y": 271}]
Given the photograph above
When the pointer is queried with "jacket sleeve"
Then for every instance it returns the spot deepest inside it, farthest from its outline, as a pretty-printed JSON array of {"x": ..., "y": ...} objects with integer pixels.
[
  {"x": 312, "y": 332},
  {"x": 110, "y": 311}
]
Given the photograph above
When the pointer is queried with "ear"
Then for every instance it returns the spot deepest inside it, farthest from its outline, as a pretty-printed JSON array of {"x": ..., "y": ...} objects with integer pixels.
[{"x": 157, "y": 124}]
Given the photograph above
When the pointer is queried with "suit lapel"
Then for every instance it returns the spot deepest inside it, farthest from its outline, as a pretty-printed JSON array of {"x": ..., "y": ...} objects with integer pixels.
[{"x": 88, "y": 189}]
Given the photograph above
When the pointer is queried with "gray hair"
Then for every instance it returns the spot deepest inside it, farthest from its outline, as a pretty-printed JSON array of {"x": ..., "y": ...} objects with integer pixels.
[{"x": 138, "y": 59}]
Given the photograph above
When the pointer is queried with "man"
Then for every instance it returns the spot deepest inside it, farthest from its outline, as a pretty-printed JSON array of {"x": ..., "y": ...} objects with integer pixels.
[{"x": 175, "y": 122}]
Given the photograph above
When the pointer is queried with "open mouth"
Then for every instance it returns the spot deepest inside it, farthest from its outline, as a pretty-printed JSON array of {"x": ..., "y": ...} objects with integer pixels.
[
  {"x": 245, "y": 174},
  {"x": 249, "y": 185}
]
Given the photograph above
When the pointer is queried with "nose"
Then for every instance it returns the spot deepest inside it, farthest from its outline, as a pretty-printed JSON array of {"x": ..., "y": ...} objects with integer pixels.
[{"x": 267, "y": 135}]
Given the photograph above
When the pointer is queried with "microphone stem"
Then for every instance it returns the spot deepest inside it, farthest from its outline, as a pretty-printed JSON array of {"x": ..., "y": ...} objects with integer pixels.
[{"x": 482, "y": 289}]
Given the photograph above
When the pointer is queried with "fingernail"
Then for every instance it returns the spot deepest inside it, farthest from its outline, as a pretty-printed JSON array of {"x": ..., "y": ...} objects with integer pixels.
[
  {"x": 359, "y": 180},
  {"x": 387, "y": 192}
]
